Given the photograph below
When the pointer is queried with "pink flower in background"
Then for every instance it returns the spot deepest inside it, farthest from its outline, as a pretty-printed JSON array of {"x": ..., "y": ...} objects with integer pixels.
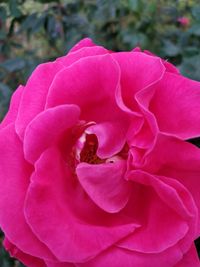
[
  {"x": 184, "y": 21},
  {"x": 94, "y": 167}
]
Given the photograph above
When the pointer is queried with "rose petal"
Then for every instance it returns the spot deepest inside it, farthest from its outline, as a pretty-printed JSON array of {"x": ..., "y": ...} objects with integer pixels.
[
  {"x": 144, "y": 138},
  {"x": 117, "y": 257},
  {"x": 92, "y": 72},
  {"x": 157, "y": 235},
  {"x": 14, "y": 179},
  {"x": 81, "y": 53},
  {"x": 179, "y": 160},
  {"x": 59, "y": 264},
  {"x": 52, "y": 207},
  {"x": 173, "y": 193},
  {"x": 111, "y": 137},
  {"x": 136, "y": 49},
  {"x": 36, "y": 89},
  {"x": 44, "y": 129},
  {"x": 138, "y": 71},
  {"x": 105, "y": 184},
  {"x": 169, "y": 67},
  {"x": 89, "y": 83},
  {"x": 14, "y": 106},
  {"x": 26, "y": 259},
  {"x": 190, "y": 259},
  {"x": 35, "y": 93},
  {"x": 86, "y": 42},
  {"x": 176, "y": 105}
]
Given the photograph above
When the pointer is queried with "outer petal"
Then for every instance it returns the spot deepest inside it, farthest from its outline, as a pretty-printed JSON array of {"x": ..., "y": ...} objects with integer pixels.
[
  {"x": 14, "y": 179},
  {"x": 116, "y": 257},
  {"x": 36, "y": 90},
  {"x": 26, "y": 259},
  {"x": 176, "y": 106},
  {"x": 174, "y": 204},
  {"x": 105, "y": 184},
  {"x": 91, "y": 84},
  {"x": 14, "y": 106},
  {"x": 54, "y": 212},
  {"x": 179, "y": 160},
  {"x": 190, "y": 259},
  {"x": 45, "y": 129},
  {"x": 169, "y": 67},
  {"x": 35, "y": 93},
  {"x": 138, "y": 71},
  {"x": 59, "y": 264},
  {"x": 81, "y": 53},
  {"x": 86, "y": 42}
]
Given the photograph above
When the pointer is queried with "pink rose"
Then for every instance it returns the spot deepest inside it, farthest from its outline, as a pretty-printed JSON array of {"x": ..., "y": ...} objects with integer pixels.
[
  {"x": 94, "y": 167},
  {"x": 184, "y": 21}
]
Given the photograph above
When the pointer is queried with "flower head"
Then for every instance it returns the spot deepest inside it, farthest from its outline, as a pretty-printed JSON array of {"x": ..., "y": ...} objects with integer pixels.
[
  {"x": 95, "y": 166},
  {"x": 184, "y": 21}
]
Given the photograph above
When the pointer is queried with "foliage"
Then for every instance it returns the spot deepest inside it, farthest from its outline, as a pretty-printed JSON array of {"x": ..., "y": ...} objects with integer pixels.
[{"x": 32, "y": 32}]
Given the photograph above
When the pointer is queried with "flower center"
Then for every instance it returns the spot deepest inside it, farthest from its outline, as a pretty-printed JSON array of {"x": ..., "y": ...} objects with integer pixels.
[
  {"x": 86, "y": 147},
  {"x": 88, "y": 152}
]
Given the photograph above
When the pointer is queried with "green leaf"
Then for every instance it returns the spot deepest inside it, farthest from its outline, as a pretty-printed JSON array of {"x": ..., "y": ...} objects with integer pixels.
[
  {"x": 170, "y": 49},
  {"x": 14, "y": 10},
  {"x": 46, "y": 1},
  {"x": 3, "y": 13},
  {"x": 51, "y": 25},
  {"x": 2, "y": 35},
  {"x": 5, "y": 90},
  {"x": 38, "y": 23},
  {"x": 28, "y": 22},
  {"x": 12, "y": 65},
  {"x": 196, "y": 12},
  {"x": 5, "y": 93},
  {"x": 190, "y": 67},
  {"x": 195, "y": 29},
  {"x": 134, "y": 5}
]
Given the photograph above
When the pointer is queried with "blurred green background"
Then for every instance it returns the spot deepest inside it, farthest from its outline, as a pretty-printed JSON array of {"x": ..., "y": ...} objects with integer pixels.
[{"x": 32, "y": 32}]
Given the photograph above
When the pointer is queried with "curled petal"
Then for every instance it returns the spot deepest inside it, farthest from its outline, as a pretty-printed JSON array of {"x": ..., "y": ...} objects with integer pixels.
[
  {"x": 111, "y": 137},
  {"x": 14, "y": 179},
  {"x": 169, "y": 67},
  {"x": 45, "y": 129},
  {"x": 179, "y": 160},
  {"x": 118, "y": 257},
  {"x": 138, "y": 71},
  {"x": 91, "y": 84},
  {"x": 105, "y": 184},
  {"x": 54, "y": 212},
  {"x": 35, "y": 93},
  {"x": 174, "y": 203},
  {"x": 176, "y": 105}
]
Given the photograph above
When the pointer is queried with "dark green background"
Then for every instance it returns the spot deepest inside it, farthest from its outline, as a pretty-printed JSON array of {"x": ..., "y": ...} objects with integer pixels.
[{"x": 32, "y": 32}]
